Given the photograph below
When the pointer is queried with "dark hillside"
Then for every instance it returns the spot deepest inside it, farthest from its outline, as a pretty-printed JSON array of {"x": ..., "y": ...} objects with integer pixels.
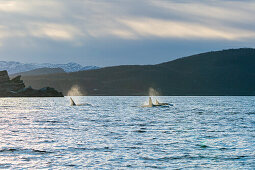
[{"x": 227, "y": 72}]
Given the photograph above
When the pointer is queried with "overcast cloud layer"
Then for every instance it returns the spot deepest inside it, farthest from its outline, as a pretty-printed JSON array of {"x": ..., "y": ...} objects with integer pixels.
[{"x": 112, "y": 32}]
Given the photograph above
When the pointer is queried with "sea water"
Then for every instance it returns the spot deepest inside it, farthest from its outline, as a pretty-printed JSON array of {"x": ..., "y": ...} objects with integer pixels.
[{"x": 116, "y": 133}]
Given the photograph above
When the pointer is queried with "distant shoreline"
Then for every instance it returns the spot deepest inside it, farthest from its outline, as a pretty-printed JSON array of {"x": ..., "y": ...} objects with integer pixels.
[{"x": 218, "y": 73}]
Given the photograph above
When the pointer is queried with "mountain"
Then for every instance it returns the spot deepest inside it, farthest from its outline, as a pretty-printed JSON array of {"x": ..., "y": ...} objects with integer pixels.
[
  {"x": 40, "y": 71},
  {"x": 227, "y": 72},
  {"x": 16, "y": 67}
]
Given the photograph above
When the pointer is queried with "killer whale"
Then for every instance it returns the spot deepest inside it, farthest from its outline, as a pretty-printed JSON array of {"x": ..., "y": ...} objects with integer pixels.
[
  {"x": 74, "y": 104},
  {"x": 161, "y": 104},
  {"x": 150, "y": 103},
  {"x": 156, "y": 104}
]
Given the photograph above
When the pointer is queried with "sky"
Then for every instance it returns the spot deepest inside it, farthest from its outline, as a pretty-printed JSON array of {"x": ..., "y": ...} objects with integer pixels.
[{"x": 120, "y": 32}]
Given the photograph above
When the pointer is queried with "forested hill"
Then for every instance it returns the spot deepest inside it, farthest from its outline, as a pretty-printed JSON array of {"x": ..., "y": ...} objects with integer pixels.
[{"x": 227, "y": 72}]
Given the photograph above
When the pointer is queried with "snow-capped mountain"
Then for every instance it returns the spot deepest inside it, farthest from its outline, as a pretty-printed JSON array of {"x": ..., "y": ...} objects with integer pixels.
[{"x": 16, "y": 67}]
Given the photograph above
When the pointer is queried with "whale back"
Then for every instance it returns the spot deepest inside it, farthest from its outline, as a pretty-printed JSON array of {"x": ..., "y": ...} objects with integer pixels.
[
  {"x": 150, "y": 101},
  {"x": 72, "y": 102},
  {"x": 157, "y": 103}
]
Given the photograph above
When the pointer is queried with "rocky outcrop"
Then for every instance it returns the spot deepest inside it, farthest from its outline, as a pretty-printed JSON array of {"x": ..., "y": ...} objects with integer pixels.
[{"x": 16, "y": 88}]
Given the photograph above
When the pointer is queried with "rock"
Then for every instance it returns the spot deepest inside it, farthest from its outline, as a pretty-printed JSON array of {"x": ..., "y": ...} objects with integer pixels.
[
  {"x": 44, "y": 92},
  {"x": 4, "y": 78},
  {"x": 16, "y": 88},
  {"x": 16, "y": 83}
]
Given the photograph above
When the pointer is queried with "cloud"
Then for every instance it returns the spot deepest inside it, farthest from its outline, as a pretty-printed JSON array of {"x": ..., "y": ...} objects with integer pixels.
[
  {"x": 54, "y": 31},
  {"x": 12, "y": 6},
  {"x": 234, "y": 11},
  {"x": 41, "y": 8},
  {"x": 186, "y": 30},
  {"x": 69, "y": 21},
  {"x": 103, "y": 25},
  {"x": 126, "y": 34}
]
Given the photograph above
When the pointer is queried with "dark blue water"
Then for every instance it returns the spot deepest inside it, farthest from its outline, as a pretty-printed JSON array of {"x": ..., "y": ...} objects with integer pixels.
[{"x": 116, "y": 133}]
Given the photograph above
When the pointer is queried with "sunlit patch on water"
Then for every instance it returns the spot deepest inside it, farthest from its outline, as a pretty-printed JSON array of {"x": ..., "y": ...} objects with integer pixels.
[{"x": 117, "y": 133}]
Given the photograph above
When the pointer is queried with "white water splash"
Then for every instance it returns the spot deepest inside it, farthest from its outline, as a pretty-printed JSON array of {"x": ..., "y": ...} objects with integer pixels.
[
  {"x": 153, "y": 92},
  {"x": 76, "y": 91}
]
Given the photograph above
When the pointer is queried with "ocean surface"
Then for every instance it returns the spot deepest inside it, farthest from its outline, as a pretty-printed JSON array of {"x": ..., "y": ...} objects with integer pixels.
[{"x": 116, "y": 133}]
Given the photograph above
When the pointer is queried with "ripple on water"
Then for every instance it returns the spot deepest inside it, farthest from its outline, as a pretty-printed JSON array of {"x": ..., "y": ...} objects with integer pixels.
[
  {"x": 23, "y": 151},
  {"x": 198, "y": 132}
]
